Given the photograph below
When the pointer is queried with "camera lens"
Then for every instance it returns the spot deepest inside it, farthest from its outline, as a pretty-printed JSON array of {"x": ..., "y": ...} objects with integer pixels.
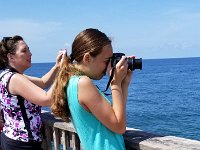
[{"x": 134, "y": 63}]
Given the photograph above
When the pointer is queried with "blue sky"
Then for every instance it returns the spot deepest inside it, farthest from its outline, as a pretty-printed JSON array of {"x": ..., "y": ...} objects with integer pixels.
[{"x": 149, "y": 29}]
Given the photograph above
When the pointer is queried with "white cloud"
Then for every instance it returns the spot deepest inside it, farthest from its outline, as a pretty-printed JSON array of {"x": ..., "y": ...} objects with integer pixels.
[
  {"x": 28, "y": 28},
  {"x": 42, "y": 37}
]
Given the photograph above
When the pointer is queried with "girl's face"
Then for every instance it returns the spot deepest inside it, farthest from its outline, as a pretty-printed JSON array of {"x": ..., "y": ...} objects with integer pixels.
[
  {"x": 98, "y": 64},
  {"x": 21, "y": 60}
]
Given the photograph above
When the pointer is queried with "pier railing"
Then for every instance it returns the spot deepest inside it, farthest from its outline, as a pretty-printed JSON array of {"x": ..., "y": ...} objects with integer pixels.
[{"x": 61, "y": 135}]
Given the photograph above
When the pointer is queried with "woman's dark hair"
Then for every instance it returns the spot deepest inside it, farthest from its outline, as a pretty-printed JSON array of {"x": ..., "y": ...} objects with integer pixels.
[
  {"x": 8, "y": 45},
  {"x": 88, "y": 41}
]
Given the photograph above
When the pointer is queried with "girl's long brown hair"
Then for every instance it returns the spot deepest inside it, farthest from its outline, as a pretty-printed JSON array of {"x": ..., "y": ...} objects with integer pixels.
[
  {"x": 59, "y": 106},
  {"x": 89, "y": 40}
]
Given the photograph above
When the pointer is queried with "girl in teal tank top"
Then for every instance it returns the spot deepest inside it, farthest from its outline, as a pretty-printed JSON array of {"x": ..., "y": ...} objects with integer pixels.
[
  {"x": 92, "y": 133},
  {"x": 99, "y": 123}
]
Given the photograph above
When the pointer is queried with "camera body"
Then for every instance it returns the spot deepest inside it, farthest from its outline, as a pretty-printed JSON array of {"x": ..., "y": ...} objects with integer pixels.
[{"x": 132, "y": 62}]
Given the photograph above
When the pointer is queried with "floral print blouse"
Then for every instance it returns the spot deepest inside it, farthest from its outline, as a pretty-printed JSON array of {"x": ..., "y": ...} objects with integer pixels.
[{"x": 14, "y": 126}]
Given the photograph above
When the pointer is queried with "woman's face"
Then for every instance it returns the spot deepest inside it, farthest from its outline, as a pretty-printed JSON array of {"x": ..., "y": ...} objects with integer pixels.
[
  {"x": 99, "y": 63},
  {"x": 22, "y": 58}
]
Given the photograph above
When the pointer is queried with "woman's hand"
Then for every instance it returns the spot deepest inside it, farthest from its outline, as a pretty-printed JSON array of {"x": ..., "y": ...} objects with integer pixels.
[{"x": 59, "y": 58}]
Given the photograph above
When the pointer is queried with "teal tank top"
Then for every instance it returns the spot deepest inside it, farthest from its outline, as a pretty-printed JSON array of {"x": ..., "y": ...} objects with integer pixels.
[{"x": 92, "y": 133}]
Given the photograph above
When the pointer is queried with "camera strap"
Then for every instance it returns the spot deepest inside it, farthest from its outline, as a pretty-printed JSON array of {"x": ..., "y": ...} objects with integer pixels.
[{"x": 110, "y": 79}]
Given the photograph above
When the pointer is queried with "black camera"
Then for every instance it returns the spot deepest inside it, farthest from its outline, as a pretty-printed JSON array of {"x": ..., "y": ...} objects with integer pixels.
[{"x": 132, "y": 62}]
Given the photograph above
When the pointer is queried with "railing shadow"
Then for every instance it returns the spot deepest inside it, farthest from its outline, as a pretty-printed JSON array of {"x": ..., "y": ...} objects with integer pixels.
[{"x": 133, "y": 137}]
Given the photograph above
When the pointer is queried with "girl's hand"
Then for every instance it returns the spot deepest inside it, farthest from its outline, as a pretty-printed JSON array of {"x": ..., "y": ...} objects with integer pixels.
[
  {"x": 120, "y": 71},
  {"x": 128, "y": 77}
]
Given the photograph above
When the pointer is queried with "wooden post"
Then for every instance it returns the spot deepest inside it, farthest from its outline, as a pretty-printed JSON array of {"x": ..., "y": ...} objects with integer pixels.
[
  {"x": 65, "y": 140},
  {"x": 56, "y": 138}
]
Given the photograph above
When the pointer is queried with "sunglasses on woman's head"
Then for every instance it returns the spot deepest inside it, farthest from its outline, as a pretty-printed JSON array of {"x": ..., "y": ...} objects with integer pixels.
[{"x": 5, "y": 39}]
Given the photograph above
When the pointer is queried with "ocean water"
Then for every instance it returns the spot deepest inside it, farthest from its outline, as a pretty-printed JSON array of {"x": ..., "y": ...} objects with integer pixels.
[{"x": 164, "y": 97}]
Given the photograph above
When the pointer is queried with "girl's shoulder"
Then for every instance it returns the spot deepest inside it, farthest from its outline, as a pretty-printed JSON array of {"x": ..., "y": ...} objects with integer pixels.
[
  {"x": 82, "y": 80},
  {"x": 85, "y": 82}
]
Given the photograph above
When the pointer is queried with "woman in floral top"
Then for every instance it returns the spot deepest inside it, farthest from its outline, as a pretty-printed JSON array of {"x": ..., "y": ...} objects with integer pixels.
[{"x": 22, "y": 96}]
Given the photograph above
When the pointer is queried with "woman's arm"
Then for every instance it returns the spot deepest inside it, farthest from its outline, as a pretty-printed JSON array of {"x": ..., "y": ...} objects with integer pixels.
[
  {"x": 20, "y": 85},
  {"x": 47, "y": 80}
]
